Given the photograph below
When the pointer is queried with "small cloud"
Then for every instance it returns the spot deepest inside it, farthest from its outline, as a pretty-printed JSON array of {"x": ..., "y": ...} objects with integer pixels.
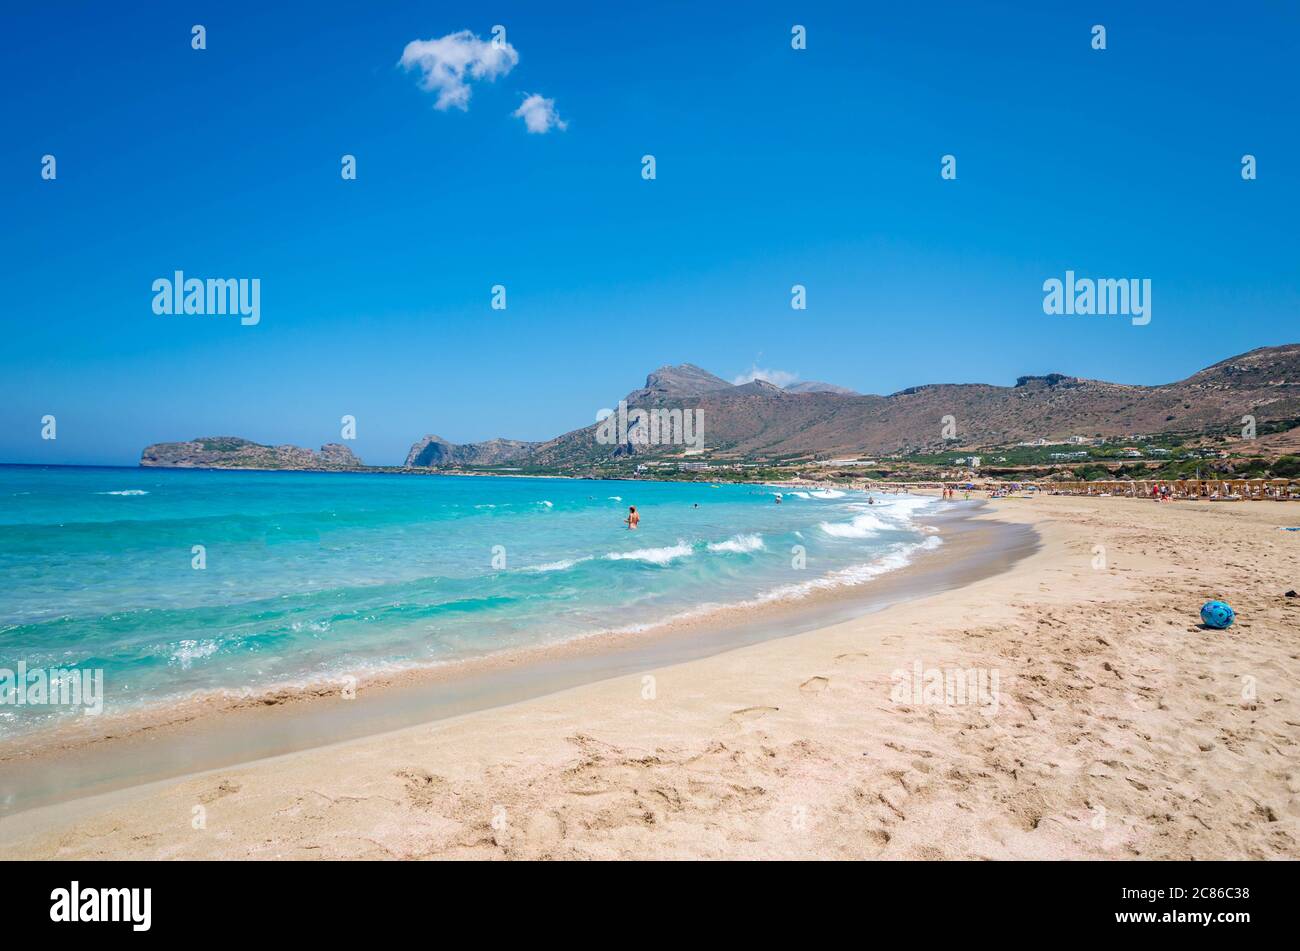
[
  {"x": 539, "y": 114},
  {"x": 781, "y": 378},
  {"x": 450, "y": 62}
]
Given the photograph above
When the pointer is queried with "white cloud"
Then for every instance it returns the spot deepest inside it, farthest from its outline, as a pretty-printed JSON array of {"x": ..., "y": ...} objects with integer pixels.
[
  {"x": 780, "y": 378},
  {"x": 451, "y": 61},
  {"x": 539, "y": 114}
]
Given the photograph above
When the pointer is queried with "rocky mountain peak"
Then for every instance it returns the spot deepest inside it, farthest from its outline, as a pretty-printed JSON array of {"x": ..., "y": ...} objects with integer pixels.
[{"x": 816, "y": 386}]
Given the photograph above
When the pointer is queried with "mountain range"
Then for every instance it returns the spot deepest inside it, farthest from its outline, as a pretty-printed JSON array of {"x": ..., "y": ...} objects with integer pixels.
[{"x": 759, "y": 421}]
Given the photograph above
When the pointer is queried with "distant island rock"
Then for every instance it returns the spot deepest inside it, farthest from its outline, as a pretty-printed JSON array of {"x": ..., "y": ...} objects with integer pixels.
[
  {"x": 435, "y": 451},
  {"x": 232, "y": 452}
]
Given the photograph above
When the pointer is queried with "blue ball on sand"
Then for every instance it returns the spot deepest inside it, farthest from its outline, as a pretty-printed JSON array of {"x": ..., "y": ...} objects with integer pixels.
[{"x": 1217, "y": 614}]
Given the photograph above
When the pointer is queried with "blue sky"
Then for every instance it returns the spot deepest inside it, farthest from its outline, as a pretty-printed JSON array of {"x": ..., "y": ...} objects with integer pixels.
[{"x": 775, "y": 167}]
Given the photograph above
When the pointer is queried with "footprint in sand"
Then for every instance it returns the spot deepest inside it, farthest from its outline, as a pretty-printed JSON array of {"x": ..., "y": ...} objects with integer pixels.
[
  {"x": 224, "y": 788},
  {"x": 752, "y": 713},
  {"x": 423, "y": 788},
  {"x": 814, "y": 685}
]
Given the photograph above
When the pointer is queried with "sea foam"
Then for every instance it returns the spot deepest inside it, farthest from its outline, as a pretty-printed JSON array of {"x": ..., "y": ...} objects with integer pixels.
[
  {"x": 739, "y": 544},
  {"x": 655, "y": 556}
]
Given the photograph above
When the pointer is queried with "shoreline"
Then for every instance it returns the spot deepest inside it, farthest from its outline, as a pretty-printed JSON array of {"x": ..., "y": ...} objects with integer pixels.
[
  {"x": 172, "y": 737},
  {"x": 1123, "y": 730}
]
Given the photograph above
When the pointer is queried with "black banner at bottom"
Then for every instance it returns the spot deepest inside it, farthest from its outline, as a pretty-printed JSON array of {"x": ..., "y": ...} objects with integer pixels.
[{"x": 1218, "y": 900}]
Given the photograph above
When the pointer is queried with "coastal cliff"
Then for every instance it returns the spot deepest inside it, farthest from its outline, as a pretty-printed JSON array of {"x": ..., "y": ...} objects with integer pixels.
[{"x": 436, "y": 451}]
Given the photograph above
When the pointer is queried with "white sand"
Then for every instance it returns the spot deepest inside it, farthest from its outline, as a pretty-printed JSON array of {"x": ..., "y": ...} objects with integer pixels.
[{"x": 1123, "y": 730}]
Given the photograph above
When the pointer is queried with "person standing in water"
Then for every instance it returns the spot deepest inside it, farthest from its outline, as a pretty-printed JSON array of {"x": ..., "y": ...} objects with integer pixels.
[{"x": 633, "y": 519}]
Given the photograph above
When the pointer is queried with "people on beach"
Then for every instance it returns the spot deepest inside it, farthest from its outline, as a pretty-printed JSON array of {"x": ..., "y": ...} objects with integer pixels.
[{"x": 633, "y": 518}]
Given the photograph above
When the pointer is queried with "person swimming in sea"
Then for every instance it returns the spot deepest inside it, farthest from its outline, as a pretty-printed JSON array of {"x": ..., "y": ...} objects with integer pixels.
[{"x": 633, "y": 518}]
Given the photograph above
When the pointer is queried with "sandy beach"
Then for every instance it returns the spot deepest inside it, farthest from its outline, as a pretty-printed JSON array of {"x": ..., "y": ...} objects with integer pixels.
[{"x": 1110, "y": 725}]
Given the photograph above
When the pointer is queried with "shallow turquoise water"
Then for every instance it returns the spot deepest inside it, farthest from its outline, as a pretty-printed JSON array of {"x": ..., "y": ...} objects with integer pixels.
[{"x": 314, "y": 577}]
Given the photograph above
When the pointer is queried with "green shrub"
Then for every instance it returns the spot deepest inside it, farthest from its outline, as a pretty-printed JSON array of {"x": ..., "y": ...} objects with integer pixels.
[{"x": 1286, "y": 467}]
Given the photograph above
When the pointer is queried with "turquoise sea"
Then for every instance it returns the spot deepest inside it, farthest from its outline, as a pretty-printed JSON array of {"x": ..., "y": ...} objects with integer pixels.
[{"x": 316, "y": 577}]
